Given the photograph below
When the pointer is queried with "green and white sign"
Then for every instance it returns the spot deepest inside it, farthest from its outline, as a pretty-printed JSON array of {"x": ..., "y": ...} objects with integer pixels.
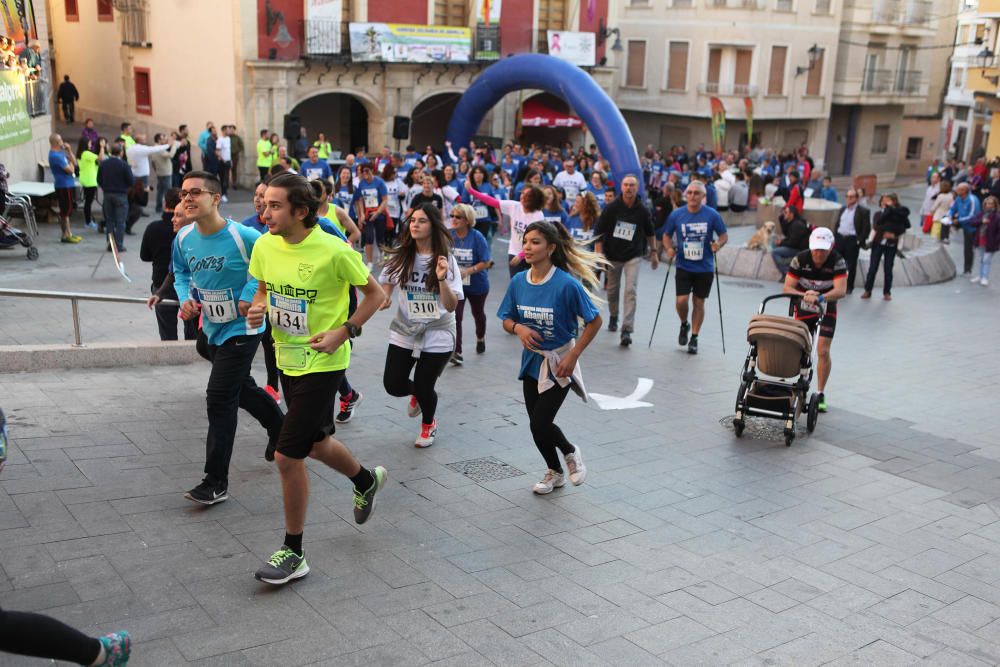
[{"x": 15, "y": 125}]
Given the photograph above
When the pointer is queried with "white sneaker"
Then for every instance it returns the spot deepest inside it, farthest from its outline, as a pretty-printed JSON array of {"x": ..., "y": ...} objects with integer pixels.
[
  {"x": 984, "y": 282},
  {"x": 427, "y": 435},
  {"x": 552, "y": 480},
  {"x": 575, "y": 467},
  {"x": 975, "y": 280},
  {"x": 413, "y": 409},
  {"x": 225, "y": 199}
]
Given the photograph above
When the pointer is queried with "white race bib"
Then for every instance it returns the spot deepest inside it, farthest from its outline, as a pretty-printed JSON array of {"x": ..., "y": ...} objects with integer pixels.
[
  {"x": 289, "y": 315},
  {"x": 422, "y": 306},
  {"x": 481, "y": 212},
  {"x": 808, "y": 307},
  {"x": 624, "y": 230},
  {"x": 371, "y": 200},
  {"x": 694, "y": 251},
  {"x": 218, "y": 305}
]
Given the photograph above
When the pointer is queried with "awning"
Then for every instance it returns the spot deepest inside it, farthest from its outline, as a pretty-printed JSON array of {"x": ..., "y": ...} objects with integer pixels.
[{"x": 536, "y": 114}]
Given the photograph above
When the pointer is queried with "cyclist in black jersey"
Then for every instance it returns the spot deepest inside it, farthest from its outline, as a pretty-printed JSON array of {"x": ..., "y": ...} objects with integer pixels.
[{"x": 818, "y": 275}]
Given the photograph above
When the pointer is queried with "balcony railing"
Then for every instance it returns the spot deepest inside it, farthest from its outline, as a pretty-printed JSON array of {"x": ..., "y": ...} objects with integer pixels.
[
  {"x": 916, "y": 13},
  {"x": 734, "y": 89},
  {"x": 324, "y": 39},
  {"x": 890, "y": 82},
  {"x": 134, "y": 31},
  {"x": 784, "y": 5},
  {"x": 739, "y": 4}
]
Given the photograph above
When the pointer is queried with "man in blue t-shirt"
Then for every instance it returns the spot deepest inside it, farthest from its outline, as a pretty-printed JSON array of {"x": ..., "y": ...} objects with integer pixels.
[
  {"x": 314, "y": 168},
  {"x": 370, "y": 202},
  {"x": 700, "y": 233},
  {"x": 63, "y": 166}
]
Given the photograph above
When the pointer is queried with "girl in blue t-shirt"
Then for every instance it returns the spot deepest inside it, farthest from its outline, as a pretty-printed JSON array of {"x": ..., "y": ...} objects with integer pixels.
[
  {"x": 583, "y": 217},
  {"x": 472, "y": 252},
  {"x": 344, "y": 194},
  {"x": 542, "y": 307},
  {"x": 486, "y": 216},
  {"x": 553, "y": 209}
]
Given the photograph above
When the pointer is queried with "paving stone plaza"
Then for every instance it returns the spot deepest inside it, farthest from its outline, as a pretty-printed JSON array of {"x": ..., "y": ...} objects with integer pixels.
[{"x": 873, "y": 541}]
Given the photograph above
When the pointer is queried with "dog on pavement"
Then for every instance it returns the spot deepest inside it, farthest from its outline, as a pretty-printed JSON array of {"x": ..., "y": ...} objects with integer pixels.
[{"x": 762, "y": 238}]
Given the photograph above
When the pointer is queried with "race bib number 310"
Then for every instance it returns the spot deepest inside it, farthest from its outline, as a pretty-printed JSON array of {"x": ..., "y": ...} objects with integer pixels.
[
  {"x": 289, "y": 315},
  {"x": 422, "y": 306}
]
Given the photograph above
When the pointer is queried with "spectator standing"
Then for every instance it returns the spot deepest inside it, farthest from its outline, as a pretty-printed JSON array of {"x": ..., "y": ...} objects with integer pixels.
[
  {"x": 301, "y": 147},
  {"x": 157, "y": 241},
  {"x": 68, "y": 96},
  {"x": 138, "y": 156},
  {"x": 138, "y": 197},
  {"x": 940, "y": 222},
  {"x": 182, "y": 156},
  {"x": 237, "y": 149},
  {"x": 88, "y": 161},
  {"x": 322, "y": 146},
  {"x": 966, "y": 212},
  {"x": 853, "y": 228},
  {"x": 162, "y": 163},
  {"x": 210, "y": 153},
  {"x": 927, "y": 206},
  {"x": 203, "y": 140},
  {"x": 224, "y": 151},
  {"x": 890, "y": 223},
  {"x": 90, "y": 134},
  {"x": 126, "y": 138},
  {"x": 988, "y": 240},
  {"x": 115, "y": 177},
  {"x": 828, "y": 192},
  {"x": 63, "y": 166}
]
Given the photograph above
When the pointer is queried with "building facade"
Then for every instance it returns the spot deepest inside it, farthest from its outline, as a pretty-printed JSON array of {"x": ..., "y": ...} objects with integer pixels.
[
  {"x": 253, "y": 62},
  {"x": 777, "y": 54},
  {"x": 973, "y": 93}
]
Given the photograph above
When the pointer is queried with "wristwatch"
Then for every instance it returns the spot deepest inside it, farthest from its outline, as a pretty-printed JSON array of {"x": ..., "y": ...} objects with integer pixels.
[{"x": 353, "y": 331}]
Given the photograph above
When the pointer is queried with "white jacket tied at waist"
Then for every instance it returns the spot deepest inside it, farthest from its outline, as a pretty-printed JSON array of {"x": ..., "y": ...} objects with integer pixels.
[{"x": 547, "y": 373}]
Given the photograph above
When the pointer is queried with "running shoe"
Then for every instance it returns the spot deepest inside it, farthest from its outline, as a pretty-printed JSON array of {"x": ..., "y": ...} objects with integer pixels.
[
  {"x": 207, "y": 493},
  {"x": 71, "y": 239},
  {"x": 552, "y": 480},
  {"x": 887, "y": 297},
  {"x": 272, "y": 446},
  {"x": 866, "y": 295},
  {"x": 480, "y": 346},
  {"x": 693, "y": 344},
  {"x": 613, "y": 323},
  {"x": 414, "y": 409},
  {"x": 91, "y": 225},
  {"x": 117, "y": 649},
  {"x": 282, "y": 567},
  {"x": 985, "y": 282},
  {"x": 427, "y": 433},
  {"x": 682, "y": 337},
  {"x": 626, "y": 338},
  {"x": 456, "y": 359},
  {"x": 575, "y": 467},
  {"x": 225, "y": 199},
  {"x": 347, "y": 407},
  {"x": 822, "y": 403},
  {"x": 975, "y": 280},
  {"x": 273, "y": 393},
  {"x": 364, "y": 503}
]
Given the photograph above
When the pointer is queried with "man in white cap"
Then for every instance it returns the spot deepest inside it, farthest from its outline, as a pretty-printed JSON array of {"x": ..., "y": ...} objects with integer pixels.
[{"x": 819, "y": 276}]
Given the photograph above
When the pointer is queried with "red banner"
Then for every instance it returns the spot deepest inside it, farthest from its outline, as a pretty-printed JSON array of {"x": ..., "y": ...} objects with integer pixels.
[
  {"x": 748, "y": 104},
  {"x": 718, "y": 125}
]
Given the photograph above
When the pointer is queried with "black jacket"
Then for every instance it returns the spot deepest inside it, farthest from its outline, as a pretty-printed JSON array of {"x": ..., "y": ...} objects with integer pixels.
[
  {"x": 114, "y": 175},
  {"x": 67, "y": 92},
  {"x": 157, "y": 244},
  {"x": 796, "y": 234},
  {"x": 862, "y": 223},
  {"x": 892, "y": 219},
  {"x": 616, "y": 248}
]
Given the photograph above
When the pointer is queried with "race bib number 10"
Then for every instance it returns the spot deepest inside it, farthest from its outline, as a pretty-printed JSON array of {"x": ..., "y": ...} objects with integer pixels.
[
  {"x": 289, "y": 315},
  {"x": 218, "y": 305}
]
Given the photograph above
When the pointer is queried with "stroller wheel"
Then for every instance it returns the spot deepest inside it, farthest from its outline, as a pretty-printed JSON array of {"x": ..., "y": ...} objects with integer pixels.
[
  {"x": 738, "y": 426},
  {"x": 32, "y": 253},
  {"x": 812, "y": 413},
  {"x": 789, "y": 436}
]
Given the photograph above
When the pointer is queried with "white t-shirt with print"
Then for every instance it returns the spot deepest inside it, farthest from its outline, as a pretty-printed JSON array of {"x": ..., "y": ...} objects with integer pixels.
[
  {"x": 519, "y": 221},
  {"x": 413, "y": 290}
]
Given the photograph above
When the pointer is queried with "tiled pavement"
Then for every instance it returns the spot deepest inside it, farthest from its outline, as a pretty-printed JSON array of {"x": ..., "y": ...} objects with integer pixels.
[{"x": 874, "y": 541}]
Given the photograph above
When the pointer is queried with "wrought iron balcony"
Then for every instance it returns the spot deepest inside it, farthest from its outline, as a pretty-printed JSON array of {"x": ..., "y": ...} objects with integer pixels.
[
  {"x": 891, "y": 82},
  {"x": 727, "y": 89}
]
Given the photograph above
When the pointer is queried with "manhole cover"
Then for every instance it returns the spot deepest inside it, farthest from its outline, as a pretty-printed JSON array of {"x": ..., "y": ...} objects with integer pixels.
[
  {"x": 744, "y": 283},
  {"x": 486, "y": 469},
  {"x": 760, "y": 428}
]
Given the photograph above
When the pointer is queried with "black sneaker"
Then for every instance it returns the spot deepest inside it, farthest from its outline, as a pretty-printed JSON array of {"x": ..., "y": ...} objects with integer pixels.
[
  {"x": 480, "y": 346},
  {"x": 682, "y": 337},
  {"x": 456, "y": 359},
  {"x": 626, "y": 338},
  {"x": 364, "y": 503},
  {"x": 282, "y": 567},
  {"x": 693, "y": 345},
  {"x": 272, "y": 445},
  {"x": 613, "y": 323},
  {"x": 208, "y": 493},
  {"x": 347, "y": 407}
]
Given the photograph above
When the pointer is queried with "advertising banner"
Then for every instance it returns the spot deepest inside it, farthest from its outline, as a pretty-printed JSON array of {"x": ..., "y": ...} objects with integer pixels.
[
  {"x": 323, "y": 22},
  {"x": 15, "y": 125},
  {"x": 748, "y": 104},
  {"x": 405, "y": 43},
  {"x": 488, "y": 42},
  {"x": 488, "y": 12},
  {"x": 718, "y": 125},
  {"x": 579, "y": 48}
]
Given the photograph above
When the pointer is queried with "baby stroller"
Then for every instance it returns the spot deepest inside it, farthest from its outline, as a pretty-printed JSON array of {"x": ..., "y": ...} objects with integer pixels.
[
  {"x": 780, "y": 351},
  {"x": 10, "y": 236}
]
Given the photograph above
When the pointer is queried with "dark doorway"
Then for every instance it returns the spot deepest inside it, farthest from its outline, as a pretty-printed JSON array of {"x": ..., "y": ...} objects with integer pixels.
[{"x": 341, "y": 117}]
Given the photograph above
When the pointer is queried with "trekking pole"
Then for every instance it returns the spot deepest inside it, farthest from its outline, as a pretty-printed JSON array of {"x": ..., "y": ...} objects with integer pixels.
[
  {"x": 718, "y": 293},
  {"x": 662, "y": 292}
]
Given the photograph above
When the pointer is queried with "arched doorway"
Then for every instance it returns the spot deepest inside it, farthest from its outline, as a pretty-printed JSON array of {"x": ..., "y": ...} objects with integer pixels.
[
  {"x": 340, "y": 116},
  {"x": 427, "y": 125},
  {"x": 545, "y": 119}
]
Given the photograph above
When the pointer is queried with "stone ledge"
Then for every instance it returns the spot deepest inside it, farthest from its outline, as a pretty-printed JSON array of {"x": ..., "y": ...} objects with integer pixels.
[
  {"x": 926, "y": 262},
  {"x": 15, "y": 358}
]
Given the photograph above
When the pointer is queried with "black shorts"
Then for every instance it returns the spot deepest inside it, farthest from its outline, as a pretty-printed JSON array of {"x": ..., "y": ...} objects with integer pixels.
[
  {"x": 827, "y": 326},
  {"x": 65, "y": 197},
  {"x": 311, "y": 401},
  {"x": 699, "y": 282},
  {"x": 374, "y": 231}
]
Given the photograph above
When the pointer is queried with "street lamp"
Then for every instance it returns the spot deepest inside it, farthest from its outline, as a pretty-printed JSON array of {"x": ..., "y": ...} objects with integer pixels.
[
  {"x": 985, "y": 58},
  {"x": 814, "y": 51},
  {"x": 603, "y": 32}
]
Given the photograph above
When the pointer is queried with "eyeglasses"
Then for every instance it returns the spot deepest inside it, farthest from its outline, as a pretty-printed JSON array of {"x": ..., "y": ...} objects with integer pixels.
[
  {"x": 456, "y": 216},
  {"x": 193, "y": 193}
]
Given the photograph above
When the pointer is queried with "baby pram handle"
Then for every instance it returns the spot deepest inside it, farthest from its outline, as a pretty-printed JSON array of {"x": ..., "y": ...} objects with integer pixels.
[{"x": 793, "y": 300}]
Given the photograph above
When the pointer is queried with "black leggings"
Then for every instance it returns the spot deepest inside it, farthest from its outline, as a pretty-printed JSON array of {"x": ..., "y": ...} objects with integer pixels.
[
  {"x": 89, "y": 194},
  {"x": 270, "y": 362},
  {"x": 23, "y": 633},
  {"x": 399, "y": 362},
  {"x": 542, "y": 410},
  {"x": 477, "y": 302}
]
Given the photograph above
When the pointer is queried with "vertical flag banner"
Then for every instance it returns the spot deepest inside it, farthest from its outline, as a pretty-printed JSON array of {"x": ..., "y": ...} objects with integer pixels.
[
  {"x": 718, "y": 125},
  {"x": 488, "y": 12},
  {"x": 748, "y": 103}
]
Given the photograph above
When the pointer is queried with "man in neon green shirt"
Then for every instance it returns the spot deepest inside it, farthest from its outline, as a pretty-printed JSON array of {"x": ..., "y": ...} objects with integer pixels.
[
  {"x": 264, "y": 151},
  {"x": 304, "y": 276},
  {"x": 323, "y": 146}
]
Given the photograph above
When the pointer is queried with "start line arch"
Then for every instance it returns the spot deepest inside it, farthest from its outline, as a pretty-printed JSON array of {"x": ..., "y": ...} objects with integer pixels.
[{"x": 560, "y": 78}]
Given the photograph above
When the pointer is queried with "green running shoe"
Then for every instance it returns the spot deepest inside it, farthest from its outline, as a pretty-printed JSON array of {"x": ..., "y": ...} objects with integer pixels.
[
  {"x": 364, "y": 503},
  {"x": 282, "y": 567},
  {"x": 822, "y": 403},
  {"x": 117, "y": 649}
]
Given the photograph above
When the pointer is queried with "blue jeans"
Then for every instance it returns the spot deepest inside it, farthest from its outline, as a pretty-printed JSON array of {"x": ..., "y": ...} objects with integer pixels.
[
  {"x": 163, "y": 183},
  {"x": 886, "y": 254},
  {"x": 115, "y": 208},
  {"x": 985, "y": 260},
  {"x": 782, "y": 257}
]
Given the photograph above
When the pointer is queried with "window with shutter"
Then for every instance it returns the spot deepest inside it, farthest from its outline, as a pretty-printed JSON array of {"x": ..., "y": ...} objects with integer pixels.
[
  {"x": 72, "y": 11},
  {"x": 741, "y": 77},
  {"x": 677, "y": 66},
  {"x": 635, "y": 76},
  {"x": 105, "y": 10},
  {"x": 551, "y": 16},
  {"x": 143, "y": 92},
  {"x": 451, "y": 12},
  {"x": 776, "y": 77}
]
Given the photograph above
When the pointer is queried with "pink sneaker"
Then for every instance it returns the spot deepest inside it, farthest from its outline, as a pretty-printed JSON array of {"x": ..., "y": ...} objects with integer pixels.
[
  {"x": 427, "y": 433},
  {"x": 414, "y": 409},
  {"x": 273, "y": 393}
]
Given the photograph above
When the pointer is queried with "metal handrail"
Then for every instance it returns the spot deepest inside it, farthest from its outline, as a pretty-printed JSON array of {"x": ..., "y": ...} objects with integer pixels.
[{"x": 75, "y": 297}]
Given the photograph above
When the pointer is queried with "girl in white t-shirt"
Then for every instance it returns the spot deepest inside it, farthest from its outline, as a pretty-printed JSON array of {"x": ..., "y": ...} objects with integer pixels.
[
  {"x": 423, "y": 330},
  {"x": 522, "y": 213}
]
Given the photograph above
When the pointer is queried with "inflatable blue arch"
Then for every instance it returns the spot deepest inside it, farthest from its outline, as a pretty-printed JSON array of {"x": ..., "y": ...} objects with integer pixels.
[{"x": 560, "y": 78}]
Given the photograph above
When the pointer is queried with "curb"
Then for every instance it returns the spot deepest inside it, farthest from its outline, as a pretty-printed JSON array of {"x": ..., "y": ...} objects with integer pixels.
[{"x": 18, "y": 358}]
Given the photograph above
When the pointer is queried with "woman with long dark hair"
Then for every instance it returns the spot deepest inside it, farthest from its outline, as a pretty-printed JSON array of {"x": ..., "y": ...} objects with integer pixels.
[
  {"x": 542, "y": 308},
  {"x": 583, "y": 217},
  {"x": 486, "y": 216},
  {"x": 526, "y": 210},
  {"x": 422, "y": 333},
  {"x": 344, "y": 192},
  {"x": 553, "y": 209},
  {"x": 395, "y": 191}
]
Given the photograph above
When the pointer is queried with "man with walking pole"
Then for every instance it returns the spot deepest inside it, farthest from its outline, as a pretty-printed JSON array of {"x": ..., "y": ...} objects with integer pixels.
[{"x": 700, "y": 233}]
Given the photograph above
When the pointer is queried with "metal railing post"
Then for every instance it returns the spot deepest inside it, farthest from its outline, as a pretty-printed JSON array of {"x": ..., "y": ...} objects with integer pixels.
[{"x": 77, "y": 339}]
